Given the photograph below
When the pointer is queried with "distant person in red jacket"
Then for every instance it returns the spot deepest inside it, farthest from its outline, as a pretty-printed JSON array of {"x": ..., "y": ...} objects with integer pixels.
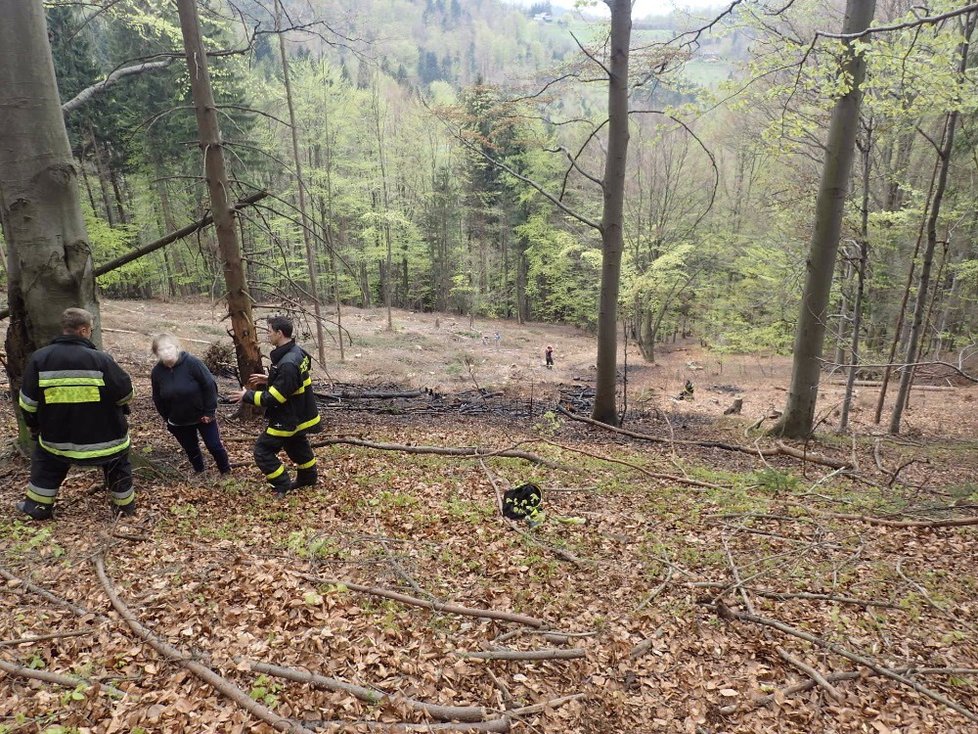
[{"x": 549, "y": 357}]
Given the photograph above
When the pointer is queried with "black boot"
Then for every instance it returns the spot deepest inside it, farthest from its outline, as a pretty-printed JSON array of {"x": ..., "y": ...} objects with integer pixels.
[
  {"x": 304, "y": 478},
  {"x": 281, "y": 485},
  {"x": 35, "y": 510},
  {"x": 123, "y": 510}
]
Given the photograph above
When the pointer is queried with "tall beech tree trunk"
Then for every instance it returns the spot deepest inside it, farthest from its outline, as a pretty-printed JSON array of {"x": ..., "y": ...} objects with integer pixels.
[
  {"x": 920, "y": 305},
  {"x": 49, "y": 260},
  {"x": 306, "y": 226},
  {"x": 239, "y": 301},
  {"x": 605, "y": 409},
  {"x": 799, "y": 413}
]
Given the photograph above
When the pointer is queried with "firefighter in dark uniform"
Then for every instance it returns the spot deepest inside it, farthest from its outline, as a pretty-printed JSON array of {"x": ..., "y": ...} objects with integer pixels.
[
  {"x": 74, "y": 398},
  {"x": 290, "y": 407}
]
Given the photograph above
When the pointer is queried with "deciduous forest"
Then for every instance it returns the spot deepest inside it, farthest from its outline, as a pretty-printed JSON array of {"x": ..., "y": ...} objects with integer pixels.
[{"x": 704, "y": 281}]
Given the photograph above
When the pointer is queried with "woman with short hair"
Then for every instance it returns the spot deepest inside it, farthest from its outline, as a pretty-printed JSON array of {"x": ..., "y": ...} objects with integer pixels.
[{"x": 185, "y": 394}]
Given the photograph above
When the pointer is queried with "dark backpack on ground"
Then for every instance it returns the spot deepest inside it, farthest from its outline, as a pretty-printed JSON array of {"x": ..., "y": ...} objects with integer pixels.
[{"x": 522, "y": 501}]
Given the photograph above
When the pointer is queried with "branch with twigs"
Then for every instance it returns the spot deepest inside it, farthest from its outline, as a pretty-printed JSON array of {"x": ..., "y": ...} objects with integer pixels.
[
  {"x": 473, "y": 452},
  {"x": 435, "y": 606},
  {"x": 573, "y": 653},
  {"x": 218, "y": 682},
  {"x": 955, "y": 522},
  {"x": 810, "y": 672},
  {"x": 730, "y": 615},
  {"x": 781, "y": 449},
  {"x": 372, "y": 696},
  {"x": 636, "y": 467},
  {"x": 65, "y": 681}
]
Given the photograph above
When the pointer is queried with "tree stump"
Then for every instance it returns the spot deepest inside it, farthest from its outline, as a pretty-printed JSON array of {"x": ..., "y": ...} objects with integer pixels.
[{"x": 735, "y": 407}]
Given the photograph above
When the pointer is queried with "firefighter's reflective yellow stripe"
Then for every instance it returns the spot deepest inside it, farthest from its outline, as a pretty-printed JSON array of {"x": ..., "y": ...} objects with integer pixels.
[
  {"x": 42, "y": 495},
  {"x": 27, "y": 404},
  {"x": 307, "y": 383},
  {"x": 46, "y": 378},
  {"x": 58, "y": 381},
  {"x": 86, "y": 450},
  {"x": 276, "y": 473},
  {"x": 126, "y": 399},
  {"x": 257, "y": 398},
  {"x": 276, "y": 394},
  {"x": 285, "y": 434},
  {"x": 71, "y": 394},
  {"x": 307, "y": 465}
]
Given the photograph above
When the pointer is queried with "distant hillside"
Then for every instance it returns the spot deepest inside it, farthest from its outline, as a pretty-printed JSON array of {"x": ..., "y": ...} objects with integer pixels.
[{"x": 422, "y": 41}]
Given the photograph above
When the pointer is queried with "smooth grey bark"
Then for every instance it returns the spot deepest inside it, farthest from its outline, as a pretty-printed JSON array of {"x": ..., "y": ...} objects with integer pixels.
[
  {"x": 86, "y": 94},
  {"x": 238, "y": 298},
  {"x": 49, "y": 258},
  {"x": 613, "y": 186},
  {"x": 799, "y": 412}
]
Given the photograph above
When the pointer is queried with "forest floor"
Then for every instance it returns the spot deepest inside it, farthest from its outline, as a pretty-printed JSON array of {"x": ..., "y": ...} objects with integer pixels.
[{"x": 684, "y": 584}]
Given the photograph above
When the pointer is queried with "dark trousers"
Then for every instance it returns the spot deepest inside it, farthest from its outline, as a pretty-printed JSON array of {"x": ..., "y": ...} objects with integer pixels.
[
  {"x": 187, "y": 437},
  {"x": 48, "y": 471},
  {"x": 296, "y": 447}
]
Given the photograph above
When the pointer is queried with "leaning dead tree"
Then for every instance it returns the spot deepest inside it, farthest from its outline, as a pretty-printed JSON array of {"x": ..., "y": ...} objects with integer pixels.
[{"x": 238, "y": 298}]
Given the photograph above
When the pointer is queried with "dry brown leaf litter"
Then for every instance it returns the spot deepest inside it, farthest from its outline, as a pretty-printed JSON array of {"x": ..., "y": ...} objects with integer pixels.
[{"x": 219, "y": 576}]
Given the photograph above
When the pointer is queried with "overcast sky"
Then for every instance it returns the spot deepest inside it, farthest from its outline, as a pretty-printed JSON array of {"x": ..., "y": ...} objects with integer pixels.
[{"x": 642, "y": 8}]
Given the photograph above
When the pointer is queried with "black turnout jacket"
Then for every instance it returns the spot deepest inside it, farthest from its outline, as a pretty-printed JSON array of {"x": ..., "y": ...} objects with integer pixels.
[
  {"x": 287, "y": 399},
  {"x": 76, "y": 397}
]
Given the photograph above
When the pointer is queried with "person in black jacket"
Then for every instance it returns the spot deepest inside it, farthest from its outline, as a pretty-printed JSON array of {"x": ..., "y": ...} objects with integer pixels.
[
  {"x": 185, "y": 394},
  {"x": 290, "y": 407},
  {"x": 74, "y": 398}
]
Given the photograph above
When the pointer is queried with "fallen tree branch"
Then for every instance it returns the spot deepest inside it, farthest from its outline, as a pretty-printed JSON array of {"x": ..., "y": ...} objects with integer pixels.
[
  {"x": 433, "y": 605},
  {"x": 537, "y": 708},
  {"x": 465, "y": 453},
  {"x": 498, "y": 725},
  {"x": 780, "y": 450},
  {"x": 869, "y": 520},
  {"x": 546, "y": 654},
  {"x": 656, "y": 591},
  {"x": 44, "y": 593},
  {"x": 785, "y": 596},
  {"x": 65, "y": 681},
  {"x": 218, "y": 682},
  {"x": 370, "y": 695},
  {"x": 791, "y": 690},
  {"x": 636, "y": 467},
  {"x": 810, "y": 672},
  {"x": 727, "y": 613},
  {"x": 52, "y": 636},
  {"x": 369, "y": 394}
]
